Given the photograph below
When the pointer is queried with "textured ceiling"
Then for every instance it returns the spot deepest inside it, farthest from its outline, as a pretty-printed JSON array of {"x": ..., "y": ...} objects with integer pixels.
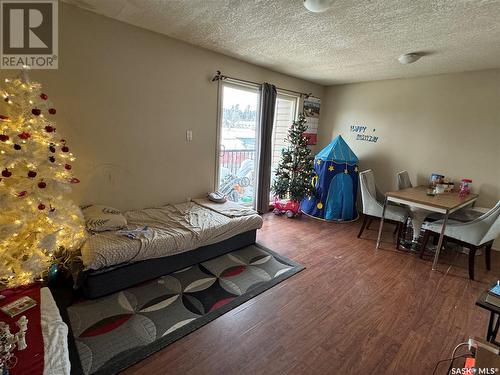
[{"x": 353, "y": 41}]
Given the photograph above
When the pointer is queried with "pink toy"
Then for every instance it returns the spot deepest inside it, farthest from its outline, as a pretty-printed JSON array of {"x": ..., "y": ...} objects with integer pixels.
[{"x": 287, "y": 207}]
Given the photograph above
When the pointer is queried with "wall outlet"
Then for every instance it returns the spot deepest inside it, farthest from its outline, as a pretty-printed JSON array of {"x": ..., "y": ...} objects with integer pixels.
[{"x": 189, "y": 135}]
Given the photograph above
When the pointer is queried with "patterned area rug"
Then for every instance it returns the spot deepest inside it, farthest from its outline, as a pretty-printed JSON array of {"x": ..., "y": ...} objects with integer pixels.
[{"x": 113, "y": 332}]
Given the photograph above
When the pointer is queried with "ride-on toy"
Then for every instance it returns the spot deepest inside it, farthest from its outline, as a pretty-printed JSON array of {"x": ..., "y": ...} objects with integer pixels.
[{"x": 286, "y": 207}]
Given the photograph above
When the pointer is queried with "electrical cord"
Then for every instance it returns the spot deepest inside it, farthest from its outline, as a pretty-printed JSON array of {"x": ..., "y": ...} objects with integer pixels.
[
  {"x": 453, "y": 354},
  {"x": 446, "y": 360}
]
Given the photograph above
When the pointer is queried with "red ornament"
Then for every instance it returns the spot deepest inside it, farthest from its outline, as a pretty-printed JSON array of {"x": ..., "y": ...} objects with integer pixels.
[
  {"x": 74, "y": 180},
  {"x": 36, "y": 111},
  {"x": 65, "y": 149},
  {"x": 4, "y": 118},
  {"x": 67, "y": 166},
  {"x": 6, "y": 173},
  {"x": 41, "y": 206},
  {"x": 44, "y": 96},
  {"x": 52, "y": 159},
  {"x": 17, "y": 147},
  {"x": 22, "y": 194},
  {"x": 49, "y": 129},
  {"x": 42, "y": 185},
  {"x": 32, "y": 174},
  {"x": 52, "y": 111},
  {"x": 4, "y": 137},
  {"x": 24, "y": 135}
]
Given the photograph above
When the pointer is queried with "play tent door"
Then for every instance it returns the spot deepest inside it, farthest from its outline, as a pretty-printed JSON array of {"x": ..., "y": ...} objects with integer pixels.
[{"x": 339, "y": 202}]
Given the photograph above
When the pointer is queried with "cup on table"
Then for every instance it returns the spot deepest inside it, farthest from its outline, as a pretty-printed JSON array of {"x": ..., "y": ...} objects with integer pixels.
[{"x": 440, "y": 188}]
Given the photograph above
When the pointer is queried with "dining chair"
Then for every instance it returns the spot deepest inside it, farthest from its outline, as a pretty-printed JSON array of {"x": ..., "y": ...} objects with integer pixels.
[
  {"x": 404, "y": 181},
  {"x": 473, "y": 235},
  {"x": 417, "y": 215},
  {"x": 373, "y": 205}
]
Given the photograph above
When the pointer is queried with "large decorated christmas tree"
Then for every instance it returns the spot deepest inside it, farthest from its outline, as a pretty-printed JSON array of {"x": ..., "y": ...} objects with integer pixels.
[
  {"x": 38, "y": 222},
  {"x": 295, "y": 170}
]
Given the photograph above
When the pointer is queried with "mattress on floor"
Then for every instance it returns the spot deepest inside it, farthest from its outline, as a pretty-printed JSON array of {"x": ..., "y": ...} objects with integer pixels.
[{"x": 171, "y": 229}]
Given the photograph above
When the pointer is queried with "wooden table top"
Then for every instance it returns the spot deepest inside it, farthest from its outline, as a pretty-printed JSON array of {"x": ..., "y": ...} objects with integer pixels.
[
  {"x": 481, "y": 302},
  {"x": 445, "y": 201}
]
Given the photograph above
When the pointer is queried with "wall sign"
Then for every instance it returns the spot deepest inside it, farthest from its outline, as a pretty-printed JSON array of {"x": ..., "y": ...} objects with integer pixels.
[
  {"x": 361, "y": 135},
  {"x": 311, "y": 111}
]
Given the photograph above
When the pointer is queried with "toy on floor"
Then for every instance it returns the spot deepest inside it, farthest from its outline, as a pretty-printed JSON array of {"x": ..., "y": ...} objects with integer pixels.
[{"x": 286, "y": 207}]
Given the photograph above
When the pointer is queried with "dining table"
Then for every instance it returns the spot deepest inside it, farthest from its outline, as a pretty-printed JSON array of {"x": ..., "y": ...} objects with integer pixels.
[{"x": 444, "y": 203}]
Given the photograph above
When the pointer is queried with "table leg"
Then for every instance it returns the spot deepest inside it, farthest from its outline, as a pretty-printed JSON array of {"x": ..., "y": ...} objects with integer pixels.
[
  {"x": 495, "y": 330},
  {"x": 381, "y": 223},
  {"x": 440, "y": 242},
  {"x": 490, "y": 326}
]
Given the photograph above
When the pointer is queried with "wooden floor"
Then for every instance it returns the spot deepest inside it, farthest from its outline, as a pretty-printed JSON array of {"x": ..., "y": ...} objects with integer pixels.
[{"x": 353, "y": 310}]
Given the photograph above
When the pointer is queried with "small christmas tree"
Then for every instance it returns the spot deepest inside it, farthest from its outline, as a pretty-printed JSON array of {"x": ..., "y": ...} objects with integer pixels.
[
  {"x": 37, "y": 221},
  {"x": 296, "y": 168}
]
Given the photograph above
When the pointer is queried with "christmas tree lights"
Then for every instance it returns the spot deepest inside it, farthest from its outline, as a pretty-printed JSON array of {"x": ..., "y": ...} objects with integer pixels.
[
  {"x": 295, "y": 170},
  {"x": 37, "y": 220}
]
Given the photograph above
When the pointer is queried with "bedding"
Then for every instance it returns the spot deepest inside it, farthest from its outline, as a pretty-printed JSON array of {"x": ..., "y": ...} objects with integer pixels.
[
  {"x": 55, "y": 336},
  {"x": 103, "y": 218},
  {"x": 168, "y": 230},
  {"x": 228, "y": 208}
]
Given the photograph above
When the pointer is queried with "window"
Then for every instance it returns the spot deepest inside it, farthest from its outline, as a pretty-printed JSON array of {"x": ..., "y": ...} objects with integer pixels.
[
  {"x": 284, "y": 114},
  {"x": 238, "y": 138},
  {"x": 238, "y": 131}
]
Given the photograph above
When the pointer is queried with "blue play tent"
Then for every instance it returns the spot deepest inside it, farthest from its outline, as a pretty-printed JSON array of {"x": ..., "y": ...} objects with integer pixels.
[{"x": 335, "y": 183}]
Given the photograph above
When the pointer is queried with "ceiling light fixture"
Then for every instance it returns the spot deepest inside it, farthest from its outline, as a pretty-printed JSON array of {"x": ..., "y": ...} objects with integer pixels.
[
  {"x": 317, "y": 6},
  {"x": 409, "y": 58}
]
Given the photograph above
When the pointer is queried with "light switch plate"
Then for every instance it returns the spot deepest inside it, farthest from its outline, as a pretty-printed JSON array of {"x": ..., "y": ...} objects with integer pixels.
[{"x": 189, "y": 135}]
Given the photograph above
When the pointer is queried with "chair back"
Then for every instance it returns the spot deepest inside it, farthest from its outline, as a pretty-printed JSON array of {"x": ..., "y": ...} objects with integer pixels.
[
  {"x": 404, "y": 181},
  {"x": 368, "y": 192},
  {"x": 492, "y": 218}
]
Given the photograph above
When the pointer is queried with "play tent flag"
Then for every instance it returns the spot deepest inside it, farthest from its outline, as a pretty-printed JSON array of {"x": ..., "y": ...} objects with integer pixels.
[{"x": 335, "y": 183}]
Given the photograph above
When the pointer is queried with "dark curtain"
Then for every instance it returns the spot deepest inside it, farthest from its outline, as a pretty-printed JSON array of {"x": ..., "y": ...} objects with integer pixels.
[{"x": 267, "y": 106}]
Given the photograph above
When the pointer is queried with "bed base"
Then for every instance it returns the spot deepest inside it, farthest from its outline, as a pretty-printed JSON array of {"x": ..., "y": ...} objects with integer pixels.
[{"x": 113, "y": 279}]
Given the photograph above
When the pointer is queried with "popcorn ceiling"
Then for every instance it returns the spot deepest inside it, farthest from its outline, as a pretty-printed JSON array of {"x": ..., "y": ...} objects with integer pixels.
[{"x": 351, "y": 42}]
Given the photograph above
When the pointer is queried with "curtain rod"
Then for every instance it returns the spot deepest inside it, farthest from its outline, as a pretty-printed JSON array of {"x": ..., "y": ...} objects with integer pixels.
[{"x": 220, "y": 77}]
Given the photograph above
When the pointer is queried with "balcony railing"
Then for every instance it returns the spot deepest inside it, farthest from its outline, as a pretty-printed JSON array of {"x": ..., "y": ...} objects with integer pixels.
[{"x": 232, "y": 159}]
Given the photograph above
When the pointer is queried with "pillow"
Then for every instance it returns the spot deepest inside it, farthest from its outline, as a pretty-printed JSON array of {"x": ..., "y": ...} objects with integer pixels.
[{"x": 102, "y": 218}]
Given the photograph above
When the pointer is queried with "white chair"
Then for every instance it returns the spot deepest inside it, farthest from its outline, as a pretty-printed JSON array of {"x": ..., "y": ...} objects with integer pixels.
[
  {"x": 473, "y": 234},
  {"x": 404, "y": 181},
  {"x": 417, "y": 215},
  {"x": 373, "y": 205}
]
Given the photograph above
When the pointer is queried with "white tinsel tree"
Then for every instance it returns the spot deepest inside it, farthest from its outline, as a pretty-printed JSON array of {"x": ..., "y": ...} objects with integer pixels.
[{"x": 37, "y": 220}]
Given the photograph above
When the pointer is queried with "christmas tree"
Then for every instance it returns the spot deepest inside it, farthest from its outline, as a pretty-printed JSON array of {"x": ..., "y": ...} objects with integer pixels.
[
  {"x": 296, "y": 168},
  {"x": 37, "y": 222}
]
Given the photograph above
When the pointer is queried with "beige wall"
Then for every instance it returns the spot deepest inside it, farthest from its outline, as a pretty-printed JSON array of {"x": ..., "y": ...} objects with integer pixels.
[
  {"x": 125, "y": 98},
  {"x": 444, "y": 123}
]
